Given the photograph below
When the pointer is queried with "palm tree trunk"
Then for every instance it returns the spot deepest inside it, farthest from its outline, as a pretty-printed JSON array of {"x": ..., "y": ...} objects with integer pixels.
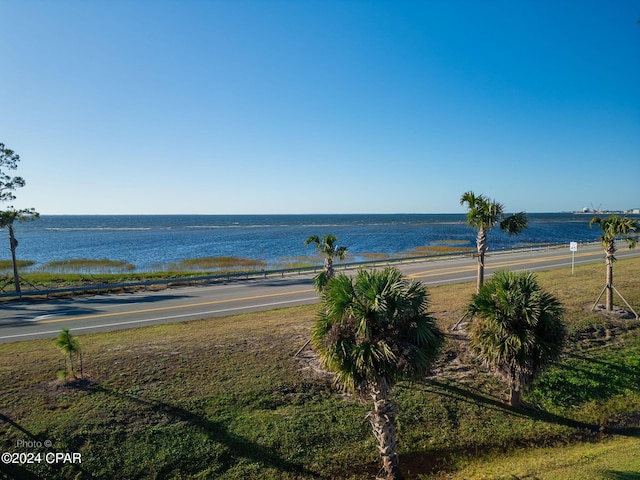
[
  {"x": 382, "y": 419},
  {"x": 481, "y": 242},
  {"x": 328, "y": 269},
  {"x": 609, "y": 293},
  {"x": 13, "y": 243}
]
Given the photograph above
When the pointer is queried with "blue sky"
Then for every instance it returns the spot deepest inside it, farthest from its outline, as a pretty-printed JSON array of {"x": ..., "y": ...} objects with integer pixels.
[{"x": 311, "y": 106}]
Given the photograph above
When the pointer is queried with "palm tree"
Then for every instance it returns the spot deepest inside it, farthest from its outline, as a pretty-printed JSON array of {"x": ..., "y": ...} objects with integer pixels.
[
  {"x": 372, "y": 331},
  {"x": 7, "y": 218},
  {"x": 327, "y": 247},
  {"x": 518, "y": 330},
  {"x": 612, "y": 227},
  {"x": 69, "y": 345},
  {"x": 483, "y": 215}
]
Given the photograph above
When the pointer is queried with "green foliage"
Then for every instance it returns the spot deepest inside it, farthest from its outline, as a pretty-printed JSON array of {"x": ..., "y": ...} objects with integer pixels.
[
  {"x": 328, "y": 248},
  {"x": 484, "y": 213},
  {"x": 613, "y": 227},
  {"x": 10, "y": 216},
  {"x": 8, "y": 161},
  {"x": 516, "y": 327},
  {"x": 375, "y": 326},
  {"x": 69, "y": 345}
]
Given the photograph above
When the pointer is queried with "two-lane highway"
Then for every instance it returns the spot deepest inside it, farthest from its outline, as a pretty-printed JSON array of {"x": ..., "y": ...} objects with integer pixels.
[{"x": 28, "y": 320}]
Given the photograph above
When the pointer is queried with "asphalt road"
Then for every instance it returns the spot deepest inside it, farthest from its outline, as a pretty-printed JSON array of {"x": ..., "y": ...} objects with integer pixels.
[{"x": 29, "y": 319}]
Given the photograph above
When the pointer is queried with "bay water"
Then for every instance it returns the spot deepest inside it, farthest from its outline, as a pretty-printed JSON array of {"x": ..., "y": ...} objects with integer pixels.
[{"x": 150, "y": 241}]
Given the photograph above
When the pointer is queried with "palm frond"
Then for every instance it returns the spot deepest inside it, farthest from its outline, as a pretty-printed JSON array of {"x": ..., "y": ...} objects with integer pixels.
[
  {"x": 375, "y": 326},
  {"x": 517, "y": 327},
  {"x": 514, "y": 224}
]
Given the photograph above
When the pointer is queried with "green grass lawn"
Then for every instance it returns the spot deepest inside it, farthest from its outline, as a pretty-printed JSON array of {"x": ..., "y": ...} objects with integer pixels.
[{"x": 225, "y": 398}]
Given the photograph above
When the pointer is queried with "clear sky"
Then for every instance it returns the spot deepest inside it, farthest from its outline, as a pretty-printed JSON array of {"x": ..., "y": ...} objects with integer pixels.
[{"x": 268, "y": 106}]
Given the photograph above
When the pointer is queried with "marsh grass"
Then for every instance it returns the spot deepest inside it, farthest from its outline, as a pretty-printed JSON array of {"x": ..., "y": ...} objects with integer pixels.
[
  {"x": 225, "y": 398},
  {"x": 73, "y": 272},
  {"x": 7, "y": 265},
  {"x": 445, "y": 247},
  {"x": 215, "y": 263},
  {"x": 87, "y": 265}
]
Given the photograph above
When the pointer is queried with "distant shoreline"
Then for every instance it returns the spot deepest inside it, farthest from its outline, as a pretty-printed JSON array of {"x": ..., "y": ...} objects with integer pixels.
[{"x": 632, "y": 211}]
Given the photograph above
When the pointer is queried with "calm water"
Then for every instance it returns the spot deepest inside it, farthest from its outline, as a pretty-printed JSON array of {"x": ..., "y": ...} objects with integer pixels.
[{"x": 147, "y": 241}]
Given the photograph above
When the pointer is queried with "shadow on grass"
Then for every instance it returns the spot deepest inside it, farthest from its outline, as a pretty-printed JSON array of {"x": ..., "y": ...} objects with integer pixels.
[
  {"x": 613, "y": 475},
  {"x": 10, "y": 470},
  {"x": 583, "y": 378},
  {"x": 625, "y": 370},
  {"x": 441, "y": 459},
  {"x": 431, "y": 461},
  {"x": 524, "y": 411},
  {"x": 215, "y": 431},
  {"x": 16, "y": 471},
  {"x": 5, "y": 419}
]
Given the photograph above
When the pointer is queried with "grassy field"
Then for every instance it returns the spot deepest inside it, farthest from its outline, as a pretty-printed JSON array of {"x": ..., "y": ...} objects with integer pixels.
[{"x": 225, "y": 398}]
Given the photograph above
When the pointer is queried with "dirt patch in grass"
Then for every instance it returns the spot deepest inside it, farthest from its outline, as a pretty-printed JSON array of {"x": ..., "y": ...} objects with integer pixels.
[{"x": 615, "y": 312}]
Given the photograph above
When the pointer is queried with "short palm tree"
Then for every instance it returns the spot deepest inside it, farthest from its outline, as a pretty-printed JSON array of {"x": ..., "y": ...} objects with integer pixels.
[
  {"x": 518, "y": 329},
  {"x": 7, "y": 219},
  {"x": 70, "y": 346},
  {"x": 327, "y": 247},
  {"x": 373, "y": 330},
  {"x": 484, "y": 214},
  {"x": 613, "y": 227}
]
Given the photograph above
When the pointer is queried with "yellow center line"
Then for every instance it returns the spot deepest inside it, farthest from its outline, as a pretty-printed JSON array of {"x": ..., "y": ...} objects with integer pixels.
[
  {"x": 441, "y": 271},
  {"x": 172, "y": 307}
]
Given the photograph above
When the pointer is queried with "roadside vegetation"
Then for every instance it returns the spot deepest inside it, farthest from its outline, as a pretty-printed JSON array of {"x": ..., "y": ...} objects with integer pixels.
[{"x": 226, "y": 398}]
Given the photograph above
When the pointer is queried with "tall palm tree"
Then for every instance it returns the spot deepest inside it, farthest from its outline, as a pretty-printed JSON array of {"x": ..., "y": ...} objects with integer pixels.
[
  {"x": 484, "y": 214},
  {"x": 612, "y": 227},
  {"x": 7, "y": 218},
  {"x": 373, "y": 330},
  {"x": 327, "y": 247},
  {"x": 518, "y": 329}
]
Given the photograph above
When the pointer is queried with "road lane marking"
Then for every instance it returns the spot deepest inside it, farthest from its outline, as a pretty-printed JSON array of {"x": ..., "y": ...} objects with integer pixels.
[
  {"x": 171, "y": 307},
  {"x": 160, "y": 319}
]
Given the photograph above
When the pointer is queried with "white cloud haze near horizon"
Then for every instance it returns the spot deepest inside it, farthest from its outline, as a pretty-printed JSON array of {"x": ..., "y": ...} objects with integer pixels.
[{"x": 249, "y": 107}]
